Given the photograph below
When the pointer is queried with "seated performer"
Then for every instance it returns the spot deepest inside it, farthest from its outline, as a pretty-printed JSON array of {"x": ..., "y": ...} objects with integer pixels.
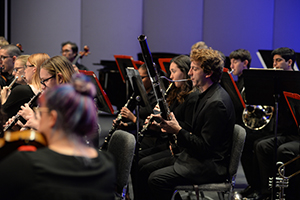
[
  {"x": 21, "y": 94},
  {"x": 263, "y": 147},
  {"x": 128, "y": 121},
  {"x": 19, "y": 69},
  {"x": 206, "y": 149},
  {"x": 8, "y": 56},
  {"x": 54, "y": 71},
  {"x": 70, "y": 51},
  {"x": 67, "y": 168},
  {"x": 240, "y": 59},
  {"x": 181, "y": 100}
]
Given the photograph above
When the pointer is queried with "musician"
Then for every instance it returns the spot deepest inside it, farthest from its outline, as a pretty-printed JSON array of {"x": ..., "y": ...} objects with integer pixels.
[
  {"x": 67, "y": 168},
  {"x": 70, "y": 51},
  {"x": 54, "y": 71},
  {"x": 21, "y": 94},
  {"x": 207, "y": 147},
  {"x": 240, "y": 59},
  {"x": 128, "y": 121},
  {"x": 8, "y": 56},
  {"x": 283, "y": 58},
  {"x": 19, "y": 69},
  {"x": 181, "y": 100}
]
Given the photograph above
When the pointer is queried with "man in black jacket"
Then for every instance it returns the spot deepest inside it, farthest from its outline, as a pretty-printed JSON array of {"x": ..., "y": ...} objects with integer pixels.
[{"x": 206, "y": 153}]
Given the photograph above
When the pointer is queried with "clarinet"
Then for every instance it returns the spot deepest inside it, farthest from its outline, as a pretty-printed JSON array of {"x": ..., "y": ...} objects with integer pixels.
[
  {"x": 151, "y": 119},
  {"x": 17, "y": 116},
  {"x": 115, "y": 126},
  {"x": 153, "y": 71}
]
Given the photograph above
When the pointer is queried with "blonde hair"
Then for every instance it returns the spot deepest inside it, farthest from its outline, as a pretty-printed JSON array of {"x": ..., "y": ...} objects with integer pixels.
[
  {"x": 3, "y": 41},
  {"x": 37, "y": 60},
  {"x": 59, "y": 64},
  {"x": 23, "y": 59}
]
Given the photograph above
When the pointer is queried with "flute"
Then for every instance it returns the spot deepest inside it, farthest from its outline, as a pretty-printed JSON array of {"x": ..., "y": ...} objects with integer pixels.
[
  {"x": 17, "y": 116},
  {"x": 13, "y": 82}
]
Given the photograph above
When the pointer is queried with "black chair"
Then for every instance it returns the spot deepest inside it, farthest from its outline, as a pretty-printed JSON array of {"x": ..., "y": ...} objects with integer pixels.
[
  {"x": 121, "y": 145},
  {"x": 227, "y": 187}
]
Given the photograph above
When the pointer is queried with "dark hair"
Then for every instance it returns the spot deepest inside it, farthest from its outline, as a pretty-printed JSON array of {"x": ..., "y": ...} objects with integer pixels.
[
  {"x": 74, "y": 105},
  {"x": 241, "y": 54},
  {"x": 183, "y": 63},
  {"x": 285, "y": 53},
  {"x": 12, "y": 50},
  {"x": 73, "y": 46}
]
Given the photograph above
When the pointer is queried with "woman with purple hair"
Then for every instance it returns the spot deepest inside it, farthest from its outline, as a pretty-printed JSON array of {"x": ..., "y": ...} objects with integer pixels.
[{"x": 67, "y": 168}]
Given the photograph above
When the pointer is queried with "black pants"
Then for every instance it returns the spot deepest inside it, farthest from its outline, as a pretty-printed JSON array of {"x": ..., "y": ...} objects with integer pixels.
[
  {"x": 265, "y": 153},
  {"x": 157, "y": 179}
]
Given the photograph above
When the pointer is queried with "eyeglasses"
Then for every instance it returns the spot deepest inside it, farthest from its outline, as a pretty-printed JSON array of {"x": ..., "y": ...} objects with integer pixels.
[
  {"x": 25, "y": 66},
  {"x": 4, "y": 57},
  {"x": 144, "y": 77},
  {"x": 17, "y": 69},
  {"x": 47, "y": 79}
]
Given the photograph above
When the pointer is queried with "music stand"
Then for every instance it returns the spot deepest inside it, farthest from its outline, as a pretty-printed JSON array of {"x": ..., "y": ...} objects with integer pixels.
[
  {"x": 264, "y": 87},
  {"x": 293, "y": 101},
  {"x": 123, "y": 62},
  {"x": 138, "y": 87},
  {"x": 164, "y": 64},
  {"x": 140, "y": 92},
  {"x": 101, "y": 99},
  {"x": 229, "y": 85}
]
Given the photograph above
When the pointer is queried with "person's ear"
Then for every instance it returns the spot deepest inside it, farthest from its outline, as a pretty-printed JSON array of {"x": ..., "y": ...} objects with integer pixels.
[
  {"x": 52, "y": 118},
  {"x": 290, "y": 62},
  {"x": 60, "y": 79},
  {"x": 208, "y": 75},
  {"x": 245, "y": 63},
  {"x": 14, "y": 58}
]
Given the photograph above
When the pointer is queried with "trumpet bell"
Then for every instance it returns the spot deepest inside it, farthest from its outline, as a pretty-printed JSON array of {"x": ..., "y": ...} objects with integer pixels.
[{"x": 256, "y": 117}]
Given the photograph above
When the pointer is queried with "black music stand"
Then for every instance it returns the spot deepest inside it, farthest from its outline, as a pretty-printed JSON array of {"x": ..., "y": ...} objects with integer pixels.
[
  {"x": 265, "y": 87},
  {"x": 142, "y": 99},
  {"x": 123, "y": 62},
  {"x": 293, "y": 101},
  {"x": 229, "y": 85},
  {"x": 101, "y": 99},
  {"x": 139, "y": 91}
]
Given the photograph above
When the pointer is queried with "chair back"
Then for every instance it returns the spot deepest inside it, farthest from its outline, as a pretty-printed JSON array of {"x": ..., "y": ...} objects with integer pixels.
[
  {"x": 238, "y": 140},
  {"x": 121, "y": 146}
]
